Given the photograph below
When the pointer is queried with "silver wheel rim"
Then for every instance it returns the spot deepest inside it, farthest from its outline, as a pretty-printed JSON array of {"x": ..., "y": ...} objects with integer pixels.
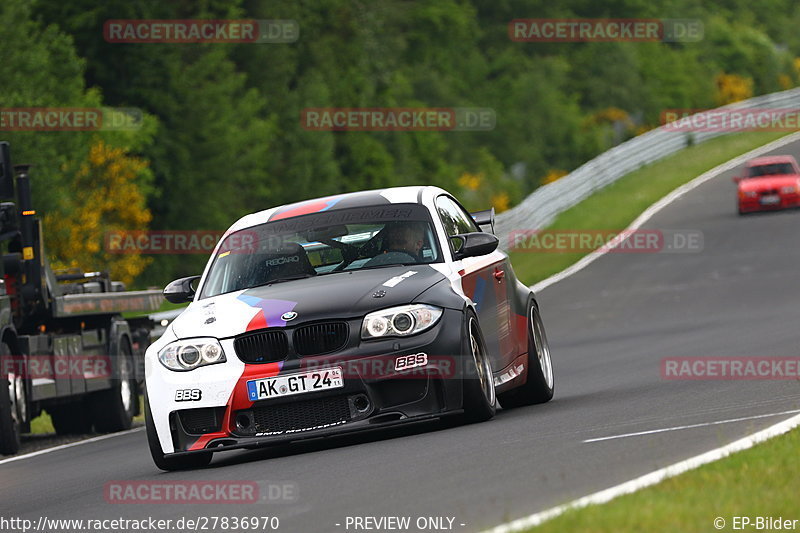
[
  {"x": 12, "y": 398},
  {"x": 542, "y": 348},
  {"x": 125, "y": 386},
  {"x": 482, "y": 364},
  {"x": 21, "y": 403},
  {"x": 125, "y": 391}
]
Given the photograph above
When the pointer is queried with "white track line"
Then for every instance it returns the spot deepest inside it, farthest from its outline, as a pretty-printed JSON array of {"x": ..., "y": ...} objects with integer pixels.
[
  {"x": 683, "y": 466},
  {"x": 650, "y": 479},
  {"x": 70, "y": 445},
  {"x": 661, "y": 204},
  {"x": 692, "y": 426}
]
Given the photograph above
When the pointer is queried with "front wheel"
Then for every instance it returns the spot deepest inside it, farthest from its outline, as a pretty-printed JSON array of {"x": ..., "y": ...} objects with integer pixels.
[
  {"x": 480, "y": 400},
  {"x": 540, "y": 385},
  {"x": 169, "y": 464}
]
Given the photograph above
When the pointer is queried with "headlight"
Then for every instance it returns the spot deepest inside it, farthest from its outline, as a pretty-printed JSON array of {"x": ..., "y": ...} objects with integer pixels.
[
  {"x": 749, "y": 194},
  {"x": 191, "y": 353},
  {"x": 788, "y": 189},
  {"x": 400, "y": 321}
]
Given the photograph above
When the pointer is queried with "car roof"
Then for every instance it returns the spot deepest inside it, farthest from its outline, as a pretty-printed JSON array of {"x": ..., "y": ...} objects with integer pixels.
[
  {"x": 770, "y": 160},
  {"x": 374, "y": 197}
]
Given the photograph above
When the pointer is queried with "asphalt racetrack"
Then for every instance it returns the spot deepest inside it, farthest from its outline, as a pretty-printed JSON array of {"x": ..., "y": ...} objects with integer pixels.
[{"x": 610, "y": 325}]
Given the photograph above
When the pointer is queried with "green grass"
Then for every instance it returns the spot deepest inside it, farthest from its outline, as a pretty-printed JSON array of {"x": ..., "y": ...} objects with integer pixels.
[
  {"x": 616, "y": 206},
  {"x": 42, "y": 424},
  {"x": 761, "y": 481}
]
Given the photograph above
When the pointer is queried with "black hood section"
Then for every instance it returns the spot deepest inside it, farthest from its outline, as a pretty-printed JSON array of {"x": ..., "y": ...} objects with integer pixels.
[{"x": 350, "y": 294}]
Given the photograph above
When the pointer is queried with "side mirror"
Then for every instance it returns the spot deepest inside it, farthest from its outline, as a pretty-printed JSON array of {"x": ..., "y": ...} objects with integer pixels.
[
  {"x": 484, "y": 218},
  {"x": 737, "y": 179},
  {"x": 473, "y": 244},
  {"x": 180, "y": 291},
  {"x": 6, "y": 172}
]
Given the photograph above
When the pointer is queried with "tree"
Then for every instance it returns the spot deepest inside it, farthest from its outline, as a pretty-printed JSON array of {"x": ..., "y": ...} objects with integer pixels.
[
  {"x": 40, "y": 68},
  {"x": 108, "y": 197}
]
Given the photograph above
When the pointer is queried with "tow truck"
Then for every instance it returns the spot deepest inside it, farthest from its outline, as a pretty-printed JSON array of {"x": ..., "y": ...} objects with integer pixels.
[{"x": 65, "y": 346}]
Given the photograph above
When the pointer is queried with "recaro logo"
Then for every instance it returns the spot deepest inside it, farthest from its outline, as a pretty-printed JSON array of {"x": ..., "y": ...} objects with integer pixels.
[{"x": 283, "y": 260}]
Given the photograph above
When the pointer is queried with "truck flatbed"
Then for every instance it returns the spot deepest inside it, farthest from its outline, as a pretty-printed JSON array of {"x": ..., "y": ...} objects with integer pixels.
[{"x": 71, "y": 305}]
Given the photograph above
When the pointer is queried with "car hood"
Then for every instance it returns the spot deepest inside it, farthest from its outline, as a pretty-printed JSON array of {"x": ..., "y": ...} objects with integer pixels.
[
  {"x": 338, "y": 295},
  {"x": 769, "y": 183}
]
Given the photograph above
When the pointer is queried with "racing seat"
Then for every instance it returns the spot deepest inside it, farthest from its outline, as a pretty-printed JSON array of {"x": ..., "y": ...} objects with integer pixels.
[{"x": 290, "y": 260}]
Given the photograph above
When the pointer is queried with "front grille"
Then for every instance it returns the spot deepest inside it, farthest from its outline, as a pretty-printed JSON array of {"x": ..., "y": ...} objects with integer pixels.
[
  {"x": 200, "y": 421},
  {"x": 262, "y": 347},
  {"x": 317, "y": 339},
  {"x": 301, "y": 415}
]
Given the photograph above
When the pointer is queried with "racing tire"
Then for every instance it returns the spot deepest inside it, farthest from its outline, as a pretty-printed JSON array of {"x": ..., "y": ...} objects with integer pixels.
[
  {"x": 480, "y": 399},
  {"x": 10, "y": 425},
  {"x": 170, "y": 464},
  {"x": 113, "y": 409},
  {"x": 539, "y": 386}
]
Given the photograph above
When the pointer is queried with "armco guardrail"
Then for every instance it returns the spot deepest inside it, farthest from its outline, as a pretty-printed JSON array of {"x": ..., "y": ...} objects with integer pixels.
[{"x": 541, "y": 206}]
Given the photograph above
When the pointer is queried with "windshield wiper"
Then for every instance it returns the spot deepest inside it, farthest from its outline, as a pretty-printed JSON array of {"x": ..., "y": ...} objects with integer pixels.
[
  {"x": 387, "y": 265},
  {"x": 290, "y": 278}
]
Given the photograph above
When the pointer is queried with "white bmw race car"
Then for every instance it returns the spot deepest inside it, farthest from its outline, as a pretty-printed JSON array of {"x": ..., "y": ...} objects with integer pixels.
[{"x": 345, "y": 313}]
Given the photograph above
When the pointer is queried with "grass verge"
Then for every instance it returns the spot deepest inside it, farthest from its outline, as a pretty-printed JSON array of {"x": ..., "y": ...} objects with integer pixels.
[
  {"x": 42, "y": 424},
  {"x": 617, "y": 205},
  {"x": 761, "y": 481}
]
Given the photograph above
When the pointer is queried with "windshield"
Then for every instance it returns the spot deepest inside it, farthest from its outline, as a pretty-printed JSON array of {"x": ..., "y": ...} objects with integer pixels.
[
  {"x": 323, "y": 243},
  {"x": 770, "y": 170}
]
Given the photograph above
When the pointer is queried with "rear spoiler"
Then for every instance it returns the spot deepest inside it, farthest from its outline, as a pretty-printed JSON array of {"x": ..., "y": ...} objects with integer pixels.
[{"x": 484, "y": 218}]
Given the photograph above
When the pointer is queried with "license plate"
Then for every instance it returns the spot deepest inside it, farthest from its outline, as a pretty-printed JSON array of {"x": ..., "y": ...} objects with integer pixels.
[
  {"x": 291, "y": 384},
  {"x": 770, "y": 199}
]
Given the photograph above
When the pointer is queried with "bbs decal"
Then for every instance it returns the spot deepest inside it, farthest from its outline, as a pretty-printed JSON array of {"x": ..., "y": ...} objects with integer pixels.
[
  {"x": 406, "y": 362},
  {"x": 188, "y": 395}
]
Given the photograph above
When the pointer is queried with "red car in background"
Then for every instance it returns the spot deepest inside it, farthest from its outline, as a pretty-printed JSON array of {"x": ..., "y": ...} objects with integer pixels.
[{"x": 769, "y": 183}]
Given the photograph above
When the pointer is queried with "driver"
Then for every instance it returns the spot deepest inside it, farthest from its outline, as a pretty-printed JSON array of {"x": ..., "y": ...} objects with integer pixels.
[{"x": 405, "y": 238}]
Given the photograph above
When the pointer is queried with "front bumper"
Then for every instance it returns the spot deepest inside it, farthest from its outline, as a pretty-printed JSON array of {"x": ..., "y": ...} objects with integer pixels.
[
  {"x": 373, "y": 395},
  {"x": 748, "y": 204}
]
